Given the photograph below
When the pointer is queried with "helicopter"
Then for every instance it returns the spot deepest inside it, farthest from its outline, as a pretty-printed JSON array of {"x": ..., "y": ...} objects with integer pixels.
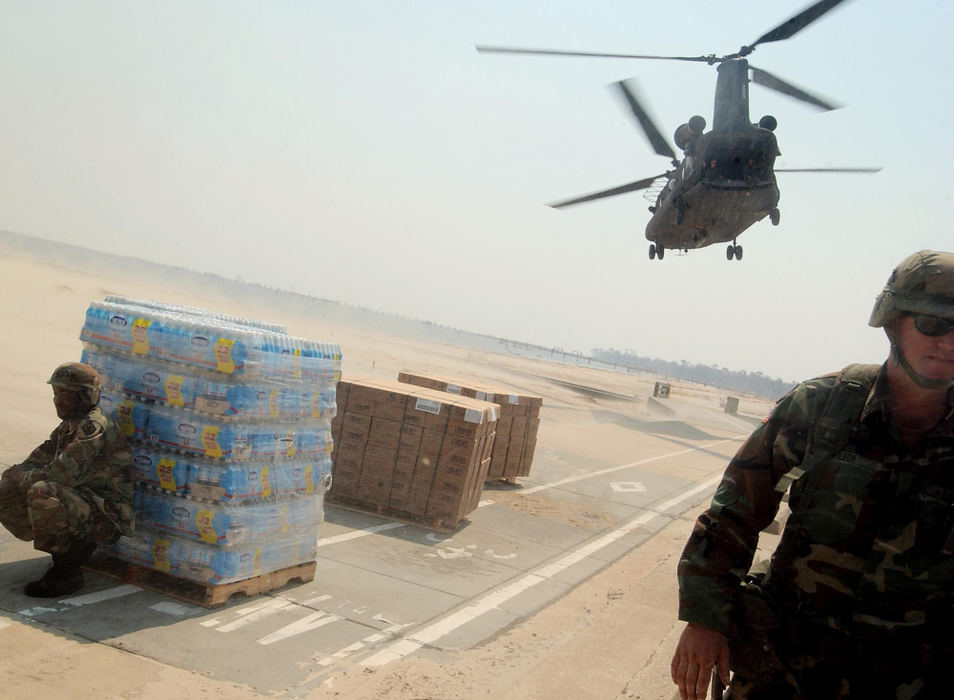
[{"x": 725, "y": 182}]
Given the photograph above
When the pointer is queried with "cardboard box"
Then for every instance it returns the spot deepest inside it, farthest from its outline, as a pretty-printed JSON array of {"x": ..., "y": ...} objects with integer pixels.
[
  {"x": 518, "y": 421},
  {"x": 412, "y": 451}
]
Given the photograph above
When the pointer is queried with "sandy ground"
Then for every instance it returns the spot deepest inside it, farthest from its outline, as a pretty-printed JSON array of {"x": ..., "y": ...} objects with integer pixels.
[{"x": 611, "y": 637}]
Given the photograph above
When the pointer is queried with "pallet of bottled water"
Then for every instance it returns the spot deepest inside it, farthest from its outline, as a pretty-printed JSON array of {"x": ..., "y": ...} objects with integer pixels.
[{"x": 228, "y": 420}]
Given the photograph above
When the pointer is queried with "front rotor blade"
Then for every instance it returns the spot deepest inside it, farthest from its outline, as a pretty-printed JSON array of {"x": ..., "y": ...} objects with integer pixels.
[
  {"x": 659, "y": 144},
  {"x": 773, "y": 82},
  {"x": 557, "y": 52},
  {"x": 828, "y": 170},
  {"x": 623, "y": 189},
  {"x": 797, "y": 23}
]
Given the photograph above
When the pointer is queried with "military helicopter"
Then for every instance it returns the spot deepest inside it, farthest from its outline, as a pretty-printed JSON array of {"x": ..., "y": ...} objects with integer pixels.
[{"x": 725, "y": 181}]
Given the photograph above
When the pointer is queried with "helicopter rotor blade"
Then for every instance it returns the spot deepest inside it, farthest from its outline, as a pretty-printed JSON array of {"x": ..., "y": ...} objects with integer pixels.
[
  {"x": 591, "y": 54},
  {"x": 828, "y": 170},
  {"x": 622, "y": 189},
  {"x": 793, "y": 25},
  {"x": 656, "y": 140},
  {"x": 773, "y": 82}
]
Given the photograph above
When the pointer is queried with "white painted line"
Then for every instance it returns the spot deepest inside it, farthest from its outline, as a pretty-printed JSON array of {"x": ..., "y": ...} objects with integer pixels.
[
  {"x": 176, "y": 609},
  {"x": 358, "y": 533},
  {"x": 305, "y": 624},
  {"x": 274, "y": 605},
  {"x": 211, "y": 623},
  {"x": 495, "y": 598},
  {"x": 610, "y": 470},
  {"x": 357, "y": 646},
  {"x": 85, "y": 599},
  {"x": 99, "y": 596}
]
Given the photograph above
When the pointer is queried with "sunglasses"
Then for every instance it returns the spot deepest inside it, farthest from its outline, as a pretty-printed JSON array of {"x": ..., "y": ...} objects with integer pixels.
[{"x": 933, "y": 326}]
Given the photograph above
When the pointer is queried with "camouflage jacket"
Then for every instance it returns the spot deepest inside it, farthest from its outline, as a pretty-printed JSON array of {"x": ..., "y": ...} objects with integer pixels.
[
  {"x": 869, "y": 544},
  {"x": 88, "y": 454}
]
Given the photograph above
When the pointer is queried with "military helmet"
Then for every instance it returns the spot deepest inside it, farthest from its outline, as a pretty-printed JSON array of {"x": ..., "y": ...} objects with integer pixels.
[
  {"x": 922, "y": 283},
  {"x": 75, "y": 375}
]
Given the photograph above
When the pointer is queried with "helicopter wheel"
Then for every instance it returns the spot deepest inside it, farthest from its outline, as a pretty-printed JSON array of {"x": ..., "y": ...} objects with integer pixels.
[
  {"x": 652, "y": 251},
  {"x": 660, "y": 251},
  {"x": 775, "y": 216},
  {"x": 738, "y": 252},
  {"x": 730, "y": 252}
]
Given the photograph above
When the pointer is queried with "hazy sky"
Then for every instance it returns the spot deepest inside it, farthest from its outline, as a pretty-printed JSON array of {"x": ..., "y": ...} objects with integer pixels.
[{"x": 363, "y": 151}]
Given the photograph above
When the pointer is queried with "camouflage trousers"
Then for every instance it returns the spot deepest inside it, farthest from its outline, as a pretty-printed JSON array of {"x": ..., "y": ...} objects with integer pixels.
[
  {"x": 876, "y": 674},
  {"x": 54, "y": 516}
]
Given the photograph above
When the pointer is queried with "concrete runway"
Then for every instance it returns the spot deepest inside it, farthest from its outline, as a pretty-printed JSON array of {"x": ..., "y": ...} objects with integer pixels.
[{"x": 385, "y": 590}]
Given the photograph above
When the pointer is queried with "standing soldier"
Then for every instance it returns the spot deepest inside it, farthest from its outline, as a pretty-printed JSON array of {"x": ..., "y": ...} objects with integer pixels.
[
  {"x": 73, "y": 491},
  {"x": 858, "y": 599}
]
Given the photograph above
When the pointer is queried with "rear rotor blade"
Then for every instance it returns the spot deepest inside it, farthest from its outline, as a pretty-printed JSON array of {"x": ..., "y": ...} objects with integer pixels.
[
  {"x": 796, "y": 24},
  {"x": 622, "y": 189},
  {"x": 773, "y": 82},
  {"x": 828, "y": 170},
  {"x": 556, "y": 52},
  {"x": 659, "y": 144}
]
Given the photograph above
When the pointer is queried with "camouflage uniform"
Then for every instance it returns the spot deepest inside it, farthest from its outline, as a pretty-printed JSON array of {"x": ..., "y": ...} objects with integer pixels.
[
  {"x": 864, "y": 572},
  {"x": 75, "y": 486}
]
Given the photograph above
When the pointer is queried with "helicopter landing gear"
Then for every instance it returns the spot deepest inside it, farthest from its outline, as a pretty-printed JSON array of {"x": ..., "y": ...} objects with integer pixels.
[
  {"x": 656, "y": 251},
  {"x": 733, "y": 251},
  {"x": 775, "y": 216}
]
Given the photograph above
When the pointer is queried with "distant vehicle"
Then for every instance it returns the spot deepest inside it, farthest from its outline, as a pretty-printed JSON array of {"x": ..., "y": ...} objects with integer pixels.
[{"x": 725, "y": 181}]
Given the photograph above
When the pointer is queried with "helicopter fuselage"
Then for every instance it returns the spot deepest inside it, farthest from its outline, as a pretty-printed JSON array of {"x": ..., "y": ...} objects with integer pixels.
[{"x": 725, "y": 183}]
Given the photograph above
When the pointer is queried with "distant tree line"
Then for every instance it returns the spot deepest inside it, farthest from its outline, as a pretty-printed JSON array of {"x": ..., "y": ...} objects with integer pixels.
[{"x": 739, "y": 381}]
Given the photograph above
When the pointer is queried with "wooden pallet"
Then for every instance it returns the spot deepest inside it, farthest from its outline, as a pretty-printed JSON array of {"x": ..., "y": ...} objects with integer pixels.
[
  {"x": 206, "y": 595},
  {"x": 442, "y": 525}
]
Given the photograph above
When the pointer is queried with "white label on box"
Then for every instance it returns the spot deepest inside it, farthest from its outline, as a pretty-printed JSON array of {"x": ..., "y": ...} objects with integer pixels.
[
  {"x": 472, "y": 415},
  {"x": 453, "y": 389},
  {"x": 428, "y": 406},
  {"x": 481, "y": 396},
  {"x": 514, "y": 399},
  {"x": 493, "y": 413}
]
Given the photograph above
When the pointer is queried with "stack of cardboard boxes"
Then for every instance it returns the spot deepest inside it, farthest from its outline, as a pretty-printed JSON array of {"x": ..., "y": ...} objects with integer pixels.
[
  {"x": 517, "y": 426},
  {"x": 409, "y": 451}
]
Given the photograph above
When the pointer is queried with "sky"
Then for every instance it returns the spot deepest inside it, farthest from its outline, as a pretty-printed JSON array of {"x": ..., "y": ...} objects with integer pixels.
[{"x": 365, "y": 152}]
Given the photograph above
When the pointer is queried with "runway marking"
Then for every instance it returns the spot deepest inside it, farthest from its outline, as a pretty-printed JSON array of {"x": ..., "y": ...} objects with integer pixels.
[
  {"x": 610, "y": 470},
  {"x": 85, "y": 599},
  {"x": 305, "y": 624},
  {"x": 256, "y": 611},
  {"x": 358, "y": 646},
  {"x": 358, "y": 533},
  {"x": 628, "y": 486},
  {"x": 176, "y": 609},
  {"x": 495, "y": 598}
]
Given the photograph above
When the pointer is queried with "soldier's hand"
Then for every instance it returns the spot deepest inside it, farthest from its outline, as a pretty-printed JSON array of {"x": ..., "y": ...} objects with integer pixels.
[{"x": 699, "y": 650}]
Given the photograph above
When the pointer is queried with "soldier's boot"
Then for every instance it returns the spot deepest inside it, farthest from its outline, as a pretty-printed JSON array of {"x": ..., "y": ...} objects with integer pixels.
[{"x": 65, "y": 576}]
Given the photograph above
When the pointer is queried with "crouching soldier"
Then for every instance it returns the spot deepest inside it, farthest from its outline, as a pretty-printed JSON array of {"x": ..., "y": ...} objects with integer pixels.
[{"x": 75, "y": 490}]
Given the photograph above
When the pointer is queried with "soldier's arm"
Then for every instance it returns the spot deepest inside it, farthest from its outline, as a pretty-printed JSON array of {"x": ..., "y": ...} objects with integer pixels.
[
  {"x": 724, "y": 538},
  {"x": 73, "y": 462},
  {"x": 33, "y": 468}
]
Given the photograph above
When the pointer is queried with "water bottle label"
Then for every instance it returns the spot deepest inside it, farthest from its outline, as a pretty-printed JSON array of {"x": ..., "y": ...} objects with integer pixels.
[
  {"x": 203, "y": 521},
  {"x": 273, "y": 402},
  {"x": 124, "y": 414},
  {"x": 160, "y": 555},
  {"x": 164, "y": 472},
  {"x": 140, "y": 336},
  {"x": 223, "y": 355},
  {"x": 174, "y": 390},
  {"x": 309, "y": 484},
  {"x": 266, "y": 483},
  {"x": 210, "y": 441}
]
